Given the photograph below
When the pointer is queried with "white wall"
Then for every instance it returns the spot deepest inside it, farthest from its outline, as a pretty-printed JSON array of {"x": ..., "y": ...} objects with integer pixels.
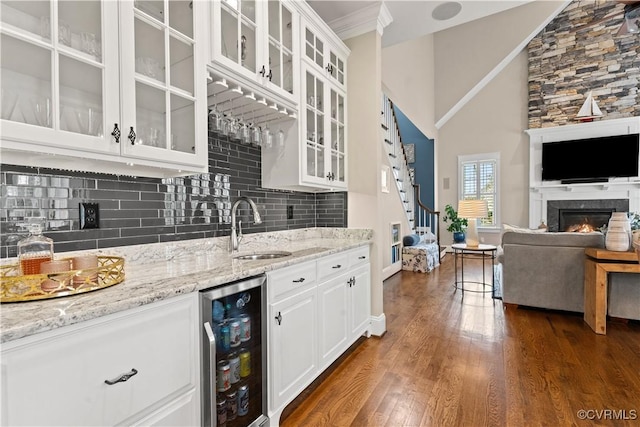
[
  {"x": 364, "y": 139},
  {"x": 495, "y": 119}
]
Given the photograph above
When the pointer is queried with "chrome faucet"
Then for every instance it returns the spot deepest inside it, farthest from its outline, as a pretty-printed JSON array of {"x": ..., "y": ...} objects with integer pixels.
[{"x": 236, "y": 237}]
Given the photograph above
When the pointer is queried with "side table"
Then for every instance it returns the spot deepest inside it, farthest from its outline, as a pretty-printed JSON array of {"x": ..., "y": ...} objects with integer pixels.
[
  {"x": 598, "y": 264},
  {"x": 461, "y": 250}
]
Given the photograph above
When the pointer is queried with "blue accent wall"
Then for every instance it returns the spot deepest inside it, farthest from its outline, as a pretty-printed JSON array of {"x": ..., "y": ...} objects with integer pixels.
[{"x": 424, "y": 164}]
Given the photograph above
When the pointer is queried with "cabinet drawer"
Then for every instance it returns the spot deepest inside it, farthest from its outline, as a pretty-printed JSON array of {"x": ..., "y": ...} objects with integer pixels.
[
  {"x": 332, "y": 265},
  {"x": 359, "y": 256},
  {"x": 296, "y": 277},
  {"x": 63, "y": 373}
]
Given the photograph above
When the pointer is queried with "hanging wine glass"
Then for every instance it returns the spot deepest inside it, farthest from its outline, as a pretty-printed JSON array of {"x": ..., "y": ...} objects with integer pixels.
[{"x": 267, "y": 136}]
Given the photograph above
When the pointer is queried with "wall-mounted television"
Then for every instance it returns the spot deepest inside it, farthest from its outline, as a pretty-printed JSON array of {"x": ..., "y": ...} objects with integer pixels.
[{"x": 592, "y": 159}]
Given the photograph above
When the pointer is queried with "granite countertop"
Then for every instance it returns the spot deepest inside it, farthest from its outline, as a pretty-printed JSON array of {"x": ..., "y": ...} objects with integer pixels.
[{"x": 158, "y": 271}]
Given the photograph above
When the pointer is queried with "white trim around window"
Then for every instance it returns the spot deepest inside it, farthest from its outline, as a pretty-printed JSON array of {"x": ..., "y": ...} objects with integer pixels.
[{"x": 479, "y": 178}]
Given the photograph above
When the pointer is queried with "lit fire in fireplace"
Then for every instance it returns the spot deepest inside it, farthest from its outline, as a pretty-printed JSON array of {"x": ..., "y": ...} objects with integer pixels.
[{"x": 581, "y": 228}]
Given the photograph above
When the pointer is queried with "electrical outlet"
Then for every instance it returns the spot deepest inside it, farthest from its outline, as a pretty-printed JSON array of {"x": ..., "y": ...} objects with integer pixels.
[
  {"x": 89, "y": 215},
  {"x": 289, "y": 212}
]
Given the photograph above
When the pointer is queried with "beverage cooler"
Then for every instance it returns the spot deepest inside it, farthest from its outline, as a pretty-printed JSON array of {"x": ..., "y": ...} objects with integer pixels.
[{"x": 234, "y": 352}]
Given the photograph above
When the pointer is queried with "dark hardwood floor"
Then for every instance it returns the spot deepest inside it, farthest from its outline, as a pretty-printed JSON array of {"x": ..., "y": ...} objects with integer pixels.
[{"x": 454, "y": 360}]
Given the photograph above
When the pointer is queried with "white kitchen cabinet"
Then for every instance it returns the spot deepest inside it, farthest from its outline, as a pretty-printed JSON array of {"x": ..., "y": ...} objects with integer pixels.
[
  {"x": 333, "y": 301},
  {"x": 326, "y": 306},
  {"x": 121, "y": 85},
  {"x": 256, "y": 39},
  {"x": 63, "y": 373},
  {"x": 359, "y": 301},
  {"x": 322, "y": 52},
  {"x": 293, "y": 346},
  {"x": 318, "y": 143}
]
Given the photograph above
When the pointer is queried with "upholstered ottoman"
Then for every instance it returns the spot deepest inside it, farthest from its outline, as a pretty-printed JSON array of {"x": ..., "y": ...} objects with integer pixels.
[{"x": 420, "y": 253}]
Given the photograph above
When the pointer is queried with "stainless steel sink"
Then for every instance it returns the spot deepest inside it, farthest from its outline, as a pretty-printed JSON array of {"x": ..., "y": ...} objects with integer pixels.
[{"x": 265, "y": 255}]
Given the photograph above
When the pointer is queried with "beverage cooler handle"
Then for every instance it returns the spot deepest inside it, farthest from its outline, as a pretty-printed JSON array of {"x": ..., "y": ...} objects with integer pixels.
[{"x": 212, "y": 371}]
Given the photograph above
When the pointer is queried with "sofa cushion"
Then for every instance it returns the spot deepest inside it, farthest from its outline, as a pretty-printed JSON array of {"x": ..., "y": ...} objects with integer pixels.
[{"x": 582, "y": 240}]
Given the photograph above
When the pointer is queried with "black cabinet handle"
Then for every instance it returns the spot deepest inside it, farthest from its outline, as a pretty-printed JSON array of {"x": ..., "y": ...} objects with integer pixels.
[
  {"x": 262, "y": 72},
  {"x": 279, "y": 318},
  {"x": 362, "y": 257},
  {"x": 132, "y": 136},
  {"x": 122, "y": 378},
  {"x": 270, "y": 75},
  {"x": 337, "y": 266},
  {"x": 300, "y": 280},
  {"x": 116, "y": 133}
]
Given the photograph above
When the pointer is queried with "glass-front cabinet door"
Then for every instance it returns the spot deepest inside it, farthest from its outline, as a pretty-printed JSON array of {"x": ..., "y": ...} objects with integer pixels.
[
  {"x": 163, "y": 82},
  {"x": 255, "y": 39},
  {"x": 281, "y": 54},
  {"x": 313, "y": 163},
  {"x": 55, "y": 86},
  {"x": 337, "y": 148}
]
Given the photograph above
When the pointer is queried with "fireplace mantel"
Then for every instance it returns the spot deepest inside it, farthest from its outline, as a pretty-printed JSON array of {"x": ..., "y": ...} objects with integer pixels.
[{"x": 541, "y": 192}]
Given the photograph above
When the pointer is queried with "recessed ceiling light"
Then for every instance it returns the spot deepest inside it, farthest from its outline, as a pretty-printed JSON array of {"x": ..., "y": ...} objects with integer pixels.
[{"x": 447, "y": 10}]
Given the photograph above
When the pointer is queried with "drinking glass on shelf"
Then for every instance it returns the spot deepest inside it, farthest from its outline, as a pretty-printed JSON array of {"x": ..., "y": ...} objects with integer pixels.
[
  {"x": 256, "y": 134},
  {"x": 64, "y": 33},
  {"x": 45, "y": 27},
  {"x": 89, "y": 122},
  {"x": 267, "y": 136},
  {"x": 9, "y": 102},
  {"x": 41, "y": 108},
  {"x": 90, "y": 44}
]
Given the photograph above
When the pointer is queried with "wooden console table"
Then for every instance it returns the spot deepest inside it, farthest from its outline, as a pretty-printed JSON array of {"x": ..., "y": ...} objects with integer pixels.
[{"x": 598, "y": 264}]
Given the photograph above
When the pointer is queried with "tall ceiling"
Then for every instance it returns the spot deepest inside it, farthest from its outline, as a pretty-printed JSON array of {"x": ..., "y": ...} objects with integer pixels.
[{"x": 415, "y": 18}]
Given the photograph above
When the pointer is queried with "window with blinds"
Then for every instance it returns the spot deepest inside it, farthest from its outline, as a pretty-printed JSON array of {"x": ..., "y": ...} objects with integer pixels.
[{"x": 479, "y": 180}]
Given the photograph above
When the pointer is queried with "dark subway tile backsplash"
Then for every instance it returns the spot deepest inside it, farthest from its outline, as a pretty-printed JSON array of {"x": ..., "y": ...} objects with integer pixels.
[{"x": 148, "y": 210}]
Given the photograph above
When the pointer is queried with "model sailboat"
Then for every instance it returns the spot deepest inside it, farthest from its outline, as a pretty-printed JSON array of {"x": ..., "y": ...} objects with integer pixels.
[{"x": 589, "y": 110}]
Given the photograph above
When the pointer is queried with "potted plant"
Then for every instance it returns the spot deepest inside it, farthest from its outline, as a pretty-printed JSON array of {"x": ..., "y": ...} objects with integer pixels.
[{"x": 457, "y": 226}]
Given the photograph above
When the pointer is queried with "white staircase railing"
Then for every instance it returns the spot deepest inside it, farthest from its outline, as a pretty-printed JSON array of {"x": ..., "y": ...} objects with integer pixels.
[
  {"x": 397, "y": 159},
  {"x": 422, "y": 219}
]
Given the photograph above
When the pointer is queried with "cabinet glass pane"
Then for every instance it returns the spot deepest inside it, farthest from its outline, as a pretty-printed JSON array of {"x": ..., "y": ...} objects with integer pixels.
[
  {"x": 248, "y": 47},
  {"x": 334, "y": 69},
  {"x": 287, "y": 29},
  {"x": 26, "y": 82},
  {"x": 80, "y": 26},
  {"x": 319, "y": 52},
  {"x": 80, "y": 97},
  {"x": 181, "y": 17},
  {"x": 248, "y": 9},
  {"x": 229, "y": 34},
  {"x": 287, "y": 72},
  {"x": 309, "y": 43},
  {"x": 149, "y": 51},
  {"x": 181, "y": 61},
  {"x": 153, "y": 8},
  {"x": 183, "y": 124},
  {"x": 274, "y": 19},
  {"x": 274, "y": 64},
  {"x": 151, "y": 116},
  {"x": 31, "y": 16}
]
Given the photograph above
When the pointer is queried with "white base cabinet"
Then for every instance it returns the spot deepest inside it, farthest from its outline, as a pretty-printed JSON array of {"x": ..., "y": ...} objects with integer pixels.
[
  {"x": 316, "y": 311},
  {"x": 150, "y": 354}
]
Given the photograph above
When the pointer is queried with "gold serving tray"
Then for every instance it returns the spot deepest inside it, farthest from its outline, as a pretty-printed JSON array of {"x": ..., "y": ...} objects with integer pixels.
[{"x": 15, "y": 288}]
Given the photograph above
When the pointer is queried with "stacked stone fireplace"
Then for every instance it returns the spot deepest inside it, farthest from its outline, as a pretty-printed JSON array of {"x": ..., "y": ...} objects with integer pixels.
[{"x": 582, "y": 216}]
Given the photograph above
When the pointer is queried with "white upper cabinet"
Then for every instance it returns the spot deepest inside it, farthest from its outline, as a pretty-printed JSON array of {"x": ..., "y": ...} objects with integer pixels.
[
  {"x": 121, "y": 85},
  {"x": 256, "y": 39},
  {"x": 318, "y": 144},
  {"x": 324, "y": 54}
]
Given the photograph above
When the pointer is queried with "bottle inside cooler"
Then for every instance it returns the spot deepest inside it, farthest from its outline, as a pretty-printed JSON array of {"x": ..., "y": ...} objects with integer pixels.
[{"x": 239, "y": 353}]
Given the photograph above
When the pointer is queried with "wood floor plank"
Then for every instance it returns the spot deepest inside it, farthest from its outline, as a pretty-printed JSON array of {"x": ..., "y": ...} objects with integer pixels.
[{"x": 453, "y": 359}]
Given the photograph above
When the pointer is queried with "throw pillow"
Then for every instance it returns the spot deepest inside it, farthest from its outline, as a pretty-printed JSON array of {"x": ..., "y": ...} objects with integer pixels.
[{"x": 411, "y": 240}]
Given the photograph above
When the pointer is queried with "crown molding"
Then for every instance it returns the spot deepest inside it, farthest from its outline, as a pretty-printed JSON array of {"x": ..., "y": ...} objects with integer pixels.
[{"x": 371, "y": 18}]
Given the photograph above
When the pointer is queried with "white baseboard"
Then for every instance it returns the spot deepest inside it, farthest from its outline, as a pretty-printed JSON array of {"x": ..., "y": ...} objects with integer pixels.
[
  {"x": 378, "y": 325},
  {"x": 391, "y": 270}
]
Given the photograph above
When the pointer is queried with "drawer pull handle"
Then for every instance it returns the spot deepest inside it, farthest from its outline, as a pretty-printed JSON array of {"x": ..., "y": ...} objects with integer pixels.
[
  {"x": 300, "y": 280},
  {"x": 362, "y": 257},
  {"x": 337, "y": 266},
  {"x": 122, "y": 378}
]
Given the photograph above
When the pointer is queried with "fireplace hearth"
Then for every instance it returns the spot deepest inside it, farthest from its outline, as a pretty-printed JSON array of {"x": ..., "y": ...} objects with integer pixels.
[{"x": 582, "y": 215}]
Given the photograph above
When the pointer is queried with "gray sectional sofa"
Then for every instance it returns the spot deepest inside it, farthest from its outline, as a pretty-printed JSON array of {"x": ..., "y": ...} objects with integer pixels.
[{"x": 546, "y": 270}]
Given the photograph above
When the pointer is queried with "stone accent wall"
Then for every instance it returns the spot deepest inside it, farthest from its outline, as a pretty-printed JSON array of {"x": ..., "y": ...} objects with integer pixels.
[{"x": 579, "y": 52}]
